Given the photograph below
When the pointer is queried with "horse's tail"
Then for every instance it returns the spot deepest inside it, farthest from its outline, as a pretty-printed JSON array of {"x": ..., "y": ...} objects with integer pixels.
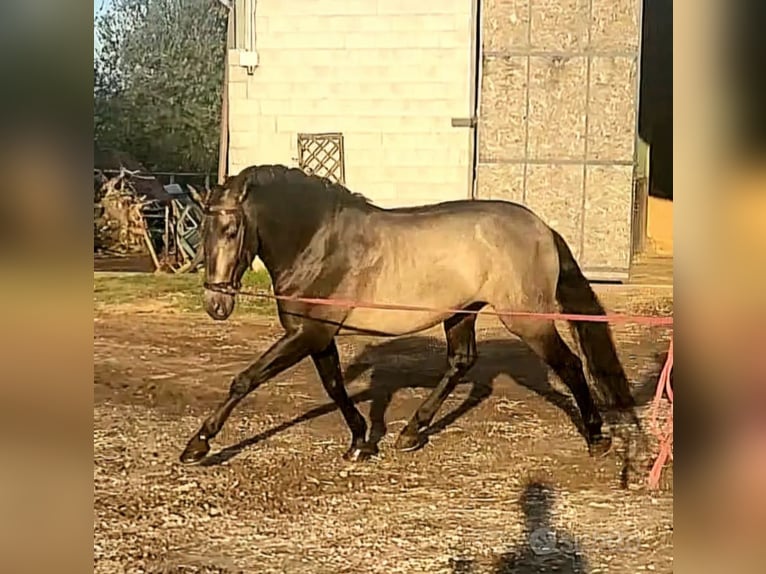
[{"x": 575, "y": 295}]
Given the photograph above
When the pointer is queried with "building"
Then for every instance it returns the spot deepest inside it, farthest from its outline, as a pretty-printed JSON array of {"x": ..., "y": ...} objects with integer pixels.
[{"x": 413, "y": 102}]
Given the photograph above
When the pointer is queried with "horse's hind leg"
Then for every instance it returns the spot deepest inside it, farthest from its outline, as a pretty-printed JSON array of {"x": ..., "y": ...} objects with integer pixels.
[
  {"x": 461, "y": 353},
  {"x": 327, "y": 364},
  {"x": 544, "y": 339}
]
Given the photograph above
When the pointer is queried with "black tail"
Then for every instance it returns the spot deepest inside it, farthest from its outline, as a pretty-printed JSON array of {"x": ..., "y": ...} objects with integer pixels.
[{"x": 575, "y": 296}]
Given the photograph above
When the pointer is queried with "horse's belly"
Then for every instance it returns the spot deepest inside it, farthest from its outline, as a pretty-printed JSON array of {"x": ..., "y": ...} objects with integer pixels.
[
  {"x": 385, "y": 322},
  {"x": 431, "y": 277}
]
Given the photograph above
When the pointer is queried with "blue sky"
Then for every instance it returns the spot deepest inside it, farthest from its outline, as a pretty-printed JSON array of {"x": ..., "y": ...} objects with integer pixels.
[{"x": 98, "y": 6}]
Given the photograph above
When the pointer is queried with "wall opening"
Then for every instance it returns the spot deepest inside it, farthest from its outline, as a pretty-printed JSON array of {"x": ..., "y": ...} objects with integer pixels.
[
  {"x": 323, "y": 155},
  {"x": 655, "y": 122}
]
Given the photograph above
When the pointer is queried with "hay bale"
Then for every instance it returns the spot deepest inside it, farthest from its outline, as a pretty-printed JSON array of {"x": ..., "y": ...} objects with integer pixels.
[
  {"x": 607, "y": 221},
  {"x": 557, "y": 108},
  {"x": 559, "y": 25},
  {"x": 615, "y": 25},
  {"x": 503, "y": 108},
  {"x": 554, "y": 192},
  {"x": 612, "y": 109},
  {"x": 505, "y": 25},
  {"x": 501, "y": 181}
]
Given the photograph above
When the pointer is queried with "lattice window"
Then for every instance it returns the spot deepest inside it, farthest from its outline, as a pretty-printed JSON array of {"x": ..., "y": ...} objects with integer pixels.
[{"x": 322, "y": 154}]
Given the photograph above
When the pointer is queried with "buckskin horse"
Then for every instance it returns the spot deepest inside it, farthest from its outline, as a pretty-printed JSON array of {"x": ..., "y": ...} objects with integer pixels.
[{"x": 317, "y": 239}]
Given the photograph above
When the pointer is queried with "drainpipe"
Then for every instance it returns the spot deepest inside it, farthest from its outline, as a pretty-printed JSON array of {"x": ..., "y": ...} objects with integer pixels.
[{"x": 223, "y": 144}]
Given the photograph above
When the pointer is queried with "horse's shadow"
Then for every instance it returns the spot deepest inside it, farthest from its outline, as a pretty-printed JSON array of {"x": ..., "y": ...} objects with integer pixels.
[{"x": 419, "y": 362}]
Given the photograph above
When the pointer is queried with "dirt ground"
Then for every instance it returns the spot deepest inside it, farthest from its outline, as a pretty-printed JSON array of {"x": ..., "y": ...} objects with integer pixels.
[
  {"x": 124, "y": 263},
  {"x": 505, "y": 483}
]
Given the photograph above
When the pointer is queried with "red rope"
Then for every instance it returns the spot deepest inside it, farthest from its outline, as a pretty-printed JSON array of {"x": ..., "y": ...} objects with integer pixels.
[
  {"x": 351, "y": 304},
  {"x": 664, "y": 435}
]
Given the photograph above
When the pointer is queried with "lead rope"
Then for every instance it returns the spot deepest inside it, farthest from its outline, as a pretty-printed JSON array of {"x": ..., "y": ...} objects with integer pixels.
[{"x": 664, "y": 435}]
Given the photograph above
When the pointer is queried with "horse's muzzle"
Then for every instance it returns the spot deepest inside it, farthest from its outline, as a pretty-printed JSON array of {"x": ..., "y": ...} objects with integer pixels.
[{"x": 218, "y": 304}]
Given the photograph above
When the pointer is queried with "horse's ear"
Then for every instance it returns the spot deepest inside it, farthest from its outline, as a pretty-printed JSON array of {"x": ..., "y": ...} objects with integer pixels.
[
  {"x": 242, "y": 195},
  {"x": 200, "y": 198}
]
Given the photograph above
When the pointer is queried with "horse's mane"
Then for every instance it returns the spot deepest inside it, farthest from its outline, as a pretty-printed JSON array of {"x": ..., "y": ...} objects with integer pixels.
[{"x": 320, "y": 189}]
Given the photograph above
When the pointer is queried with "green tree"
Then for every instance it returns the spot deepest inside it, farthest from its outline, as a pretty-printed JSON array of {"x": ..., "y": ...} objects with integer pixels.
[{"x": 158, "y": 81}]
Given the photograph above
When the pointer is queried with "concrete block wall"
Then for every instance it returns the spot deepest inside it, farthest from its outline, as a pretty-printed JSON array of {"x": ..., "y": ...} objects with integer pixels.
[{"x": 389, "y": 74}]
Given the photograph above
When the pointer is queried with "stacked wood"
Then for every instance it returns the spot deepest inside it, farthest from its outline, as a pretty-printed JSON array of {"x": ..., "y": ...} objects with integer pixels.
[
  {"x": 120, "y": 226},
  {"x": 130, "y": 221}
]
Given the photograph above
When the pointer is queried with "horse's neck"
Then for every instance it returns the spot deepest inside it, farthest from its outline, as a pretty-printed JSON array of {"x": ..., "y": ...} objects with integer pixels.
[
  {"x": 298, "y": 258},
  {"x": 289, "y": 247}
]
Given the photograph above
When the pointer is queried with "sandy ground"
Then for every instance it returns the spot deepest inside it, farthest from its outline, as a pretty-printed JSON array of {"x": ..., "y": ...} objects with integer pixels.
[{"x": 505, "y": 483}]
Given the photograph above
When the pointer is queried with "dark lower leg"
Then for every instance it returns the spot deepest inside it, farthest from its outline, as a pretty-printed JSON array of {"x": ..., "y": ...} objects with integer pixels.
[
  {"x": 461, "y": 353},
  {"x": 327, "y": 364},
  {"x": 572, "y": 375},
  {"x": 283, "y": 354},
  {"x": 411, "y": 436},
  {"x": 381, "y": 400},
  {"x": 554, "y": 351}
]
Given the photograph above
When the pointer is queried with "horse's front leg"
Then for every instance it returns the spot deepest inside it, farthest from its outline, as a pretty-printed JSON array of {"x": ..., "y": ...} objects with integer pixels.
[
  {"x": 286, "y": 352},
  {"x": 328, "y": 366}
]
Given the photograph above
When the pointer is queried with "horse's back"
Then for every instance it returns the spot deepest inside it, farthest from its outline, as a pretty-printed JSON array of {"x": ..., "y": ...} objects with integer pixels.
[
  {"x": 469, "y": 232},
  {"x": 446, "y": 256},
  {"x": 462, "y": 206}
]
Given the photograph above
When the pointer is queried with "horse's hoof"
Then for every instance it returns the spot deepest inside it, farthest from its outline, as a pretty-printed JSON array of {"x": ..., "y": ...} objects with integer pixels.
[
  {"x": 599, "y": 446},
  {"x": 195, "y": 451},
  {"x": 407, "y": 442},
  {"x": 360, "y": 453}
]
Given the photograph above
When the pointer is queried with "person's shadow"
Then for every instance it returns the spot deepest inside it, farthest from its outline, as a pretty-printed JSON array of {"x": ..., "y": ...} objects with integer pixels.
[
  {"x": 419, "y": 362},
  {"x": 543, "y": 548}
]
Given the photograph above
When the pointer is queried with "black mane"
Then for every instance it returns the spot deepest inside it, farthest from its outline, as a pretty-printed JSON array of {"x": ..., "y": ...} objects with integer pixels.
[
  {"x": 293, "y": 216},
  {"x": 313, "y": 188}
]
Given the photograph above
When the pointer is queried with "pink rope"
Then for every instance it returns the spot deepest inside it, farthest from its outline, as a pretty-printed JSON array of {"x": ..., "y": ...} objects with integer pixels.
[
  {"x": 352, "y": 304},
  {"x": 664, "y": 435}
]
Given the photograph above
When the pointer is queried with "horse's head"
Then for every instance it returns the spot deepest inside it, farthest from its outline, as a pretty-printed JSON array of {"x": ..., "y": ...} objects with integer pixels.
[{"x": 230, "y": 244}]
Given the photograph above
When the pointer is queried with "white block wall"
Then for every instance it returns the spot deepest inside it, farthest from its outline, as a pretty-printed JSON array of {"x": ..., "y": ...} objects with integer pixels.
[{"x": 389, "y": 74}]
